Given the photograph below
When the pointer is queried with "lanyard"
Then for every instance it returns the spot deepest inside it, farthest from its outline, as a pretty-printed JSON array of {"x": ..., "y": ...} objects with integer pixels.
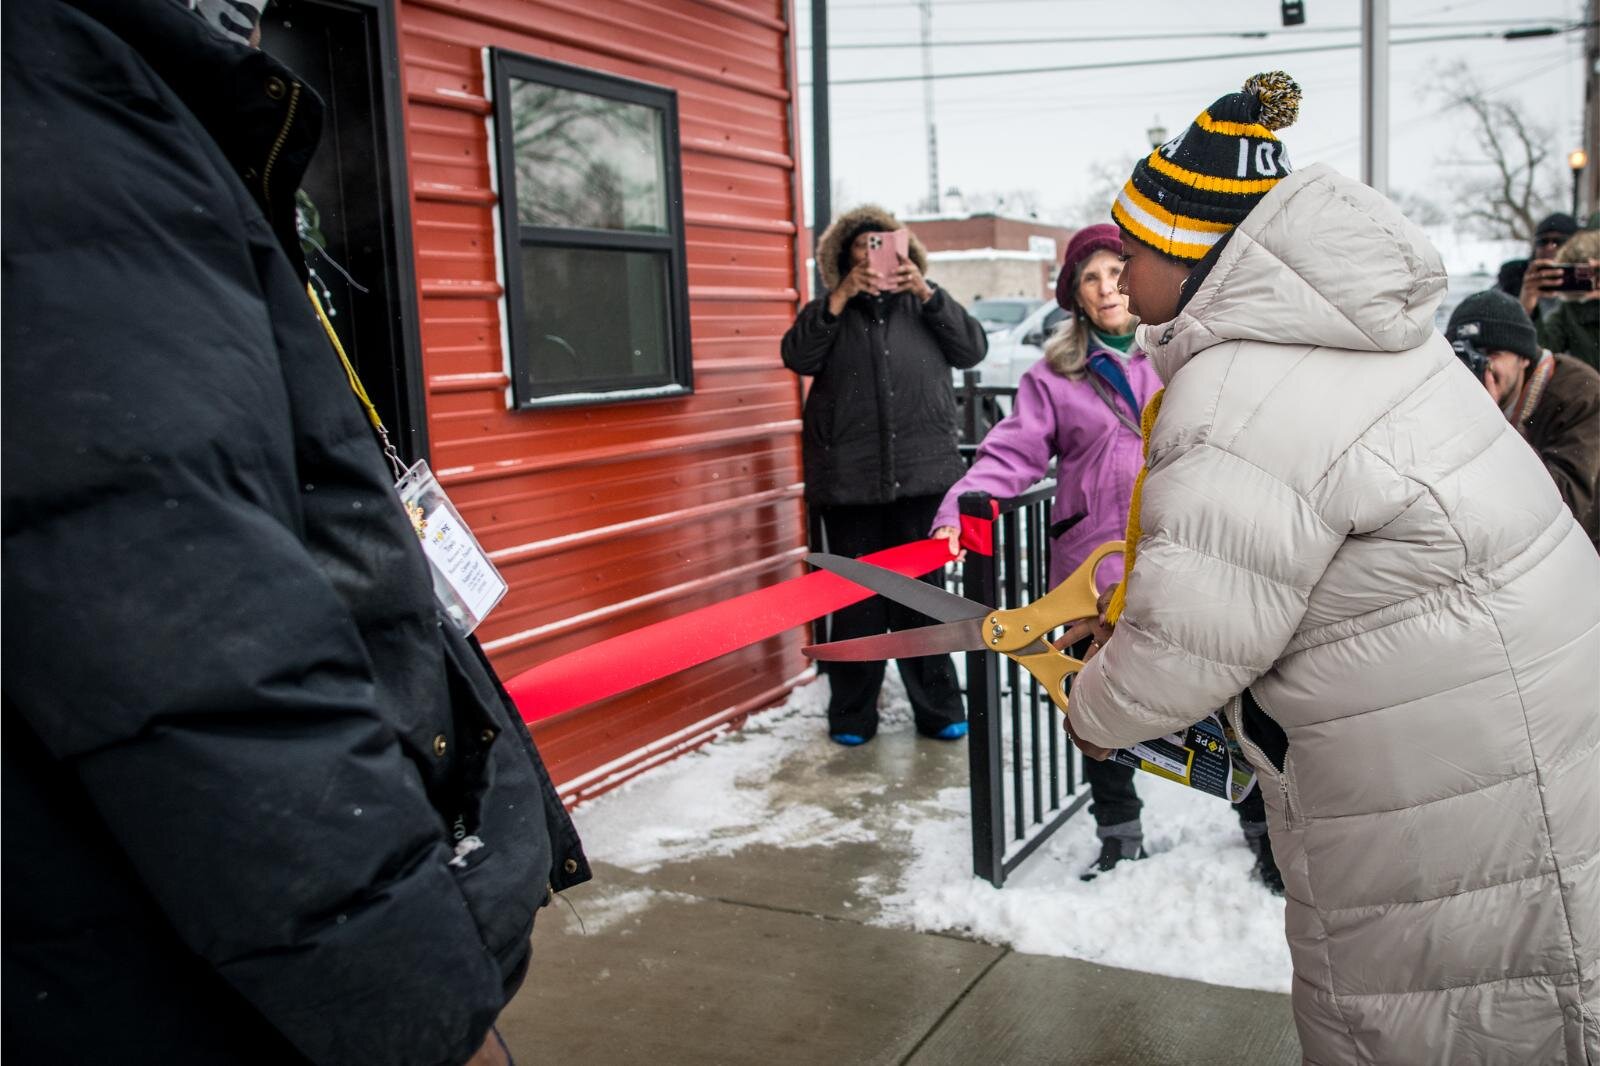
[{"x": 357, "y": 388}]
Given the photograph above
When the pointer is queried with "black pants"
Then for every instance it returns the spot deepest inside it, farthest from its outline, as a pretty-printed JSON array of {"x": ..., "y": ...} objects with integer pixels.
[
  {"x": 1114, "y": 801},
  {"x": 930, "y": 680}
]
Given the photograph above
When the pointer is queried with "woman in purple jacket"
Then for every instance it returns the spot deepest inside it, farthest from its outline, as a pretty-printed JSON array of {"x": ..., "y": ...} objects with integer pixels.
[{"x": 1080, "y": 406}]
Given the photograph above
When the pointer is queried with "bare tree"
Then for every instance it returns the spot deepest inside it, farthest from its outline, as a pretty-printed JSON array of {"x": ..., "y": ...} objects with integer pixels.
[
  {"x": 1018, "y": 203},
  {"x": 1423, "y": 210},
  {"x": 1513, "y": 181},
  {"x": 1106, "y": 178}
]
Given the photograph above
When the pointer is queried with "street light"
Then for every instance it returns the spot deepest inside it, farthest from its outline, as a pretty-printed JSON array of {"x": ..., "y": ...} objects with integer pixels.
[
  {"x": 1157, "y": 133},
  {"x": 1577, "y": 159}
]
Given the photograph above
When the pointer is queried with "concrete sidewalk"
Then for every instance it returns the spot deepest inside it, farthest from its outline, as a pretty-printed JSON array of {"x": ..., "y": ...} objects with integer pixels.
[{"x": 766, "y": 956}]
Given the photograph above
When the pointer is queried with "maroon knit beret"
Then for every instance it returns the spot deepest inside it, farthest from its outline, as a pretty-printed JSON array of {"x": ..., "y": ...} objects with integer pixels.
[{"x": 1087, "y": 241}]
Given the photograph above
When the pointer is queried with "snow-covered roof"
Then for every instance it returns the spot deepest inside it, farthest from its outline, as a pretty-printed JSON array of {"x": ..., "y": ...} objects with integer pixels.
[
  {"x": 989, "y": 253},
  {"x": 963, "y": 216}
]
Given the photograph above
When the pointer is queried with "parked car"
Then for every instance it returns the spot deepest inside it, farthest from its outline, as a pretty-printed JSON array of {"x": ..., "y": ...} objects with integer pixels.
[
  {"x": 1000, "y": 314},
  {"x": 1013, "y": 351}
]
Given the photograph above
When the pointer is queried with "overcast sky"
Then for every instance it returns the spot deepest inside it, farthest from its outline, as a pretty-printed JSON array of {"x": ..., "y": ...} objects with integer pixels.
[{"x": 1046, "y": 132}]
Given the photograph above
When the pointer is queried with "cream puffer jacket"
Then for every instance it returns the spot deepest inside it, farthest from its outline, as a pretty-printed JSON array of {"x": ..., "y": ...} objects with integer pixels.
[{"x": 1340, "y": 519}]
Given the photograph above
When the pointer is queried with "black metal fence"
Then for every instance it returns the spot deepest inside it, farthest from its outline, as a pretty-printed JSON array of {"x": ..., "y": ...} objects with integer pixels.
[
  {"x": 981, "y": 407},
  {"x": 1024, "y": 770}
]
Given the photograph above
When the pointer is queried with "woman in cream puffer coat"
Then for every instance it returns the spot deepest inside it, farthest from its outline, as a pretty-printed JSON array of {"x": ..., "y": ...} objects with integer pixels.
[{"x": 1337, "y": 518}]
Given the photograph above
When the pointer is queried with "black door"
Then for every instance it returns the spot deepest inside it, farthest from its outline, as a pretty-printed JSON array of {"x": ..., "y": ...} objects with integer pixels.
[{"x": 357, "y": 232}]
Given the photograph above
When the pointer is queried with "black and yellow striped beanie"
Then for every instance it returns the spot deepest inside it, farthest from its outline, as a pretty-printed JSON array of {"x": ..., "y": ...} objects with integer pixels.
[{"x": 1187, "y": 194}]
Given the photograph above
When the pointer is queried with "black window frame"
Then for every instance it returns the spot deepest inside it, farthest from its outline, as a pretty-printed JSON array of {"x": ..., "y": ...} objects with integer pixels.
[{"x": 679, "y": 376}]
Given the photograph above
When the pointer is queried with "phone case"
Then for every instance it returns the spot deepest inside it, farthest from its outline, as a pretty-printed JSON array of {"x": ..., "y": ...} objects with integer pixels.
[{"x": 884, "y": 251}]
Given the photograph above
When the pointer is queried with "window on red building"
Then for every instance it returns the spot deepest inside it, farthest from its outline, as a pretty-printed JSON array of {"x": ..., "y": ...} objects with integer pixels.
[{"x": 591, "y": 209}]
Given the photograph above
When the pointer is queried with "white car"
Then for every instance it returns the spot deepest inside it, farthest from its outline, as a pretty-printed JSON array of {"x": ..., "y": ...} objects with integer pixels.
[
  {"x": 1001, "y": 314},
  {"x": 1013, "y": 351}
]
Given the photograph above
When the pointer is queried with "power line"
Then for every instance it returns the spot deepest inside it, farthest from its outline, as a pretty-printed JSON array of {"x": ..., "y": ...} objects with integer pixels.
[
  {"x": 957, "y": 3},
  {"x": 1271, "y": 53},
  {"x": 1228, "y": 34}
]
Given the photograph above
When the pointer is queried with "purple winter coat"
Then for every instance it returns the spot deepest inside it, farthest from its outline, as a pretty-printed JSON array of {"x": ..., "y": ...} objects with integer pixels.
[{"x": 1097, "y": 453}]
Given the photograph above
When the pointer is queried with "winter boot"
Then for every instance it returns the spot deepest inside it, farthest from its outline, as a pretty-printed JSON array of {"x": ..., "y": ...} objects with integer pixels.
[
  {"x": 1121, "y": 842},
  {"x": 1266, "y": 868}
]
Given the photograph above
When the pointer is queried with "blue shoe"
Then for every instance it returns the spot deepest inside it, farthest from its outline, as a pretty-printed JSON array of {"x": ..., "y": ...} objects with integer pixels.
[
  {"x": 849, "y": 740},
  {"x": 953, "y": 731}
]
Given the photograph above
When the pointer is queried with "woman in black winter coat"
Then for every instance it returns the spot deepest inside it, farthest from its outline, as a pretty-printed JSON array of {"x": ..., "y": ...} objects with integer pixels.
[{"x": 880, "y": 445}]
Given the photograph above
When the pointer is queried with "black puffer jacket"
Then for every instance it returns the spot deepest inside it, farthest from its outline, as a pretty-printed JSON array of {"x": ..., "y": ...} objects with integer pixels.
[
  {"x": 880, "y": 419},
  {"x": 238, "y": 740}
]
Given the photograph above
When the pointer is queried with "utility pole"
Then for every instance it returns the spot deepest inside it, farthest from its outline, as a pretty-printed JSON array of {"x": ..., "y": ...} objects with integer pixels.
[
  {"x": 1591, "y": 105},
  {"x": 926, "y": 7},
  {"x": 821, "y": 164},
  {"x": 1375, "y": 94}
]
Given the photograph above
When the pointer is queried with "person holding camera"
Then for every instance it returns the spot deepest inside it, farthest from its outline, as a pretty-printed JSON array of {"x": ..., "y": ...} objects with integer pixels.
[
  {"x": 1572, "y": 325},
  {"x": 879, "y": 442},
  {"x": 1533, "y": 280},
  {"x": 1552, "y": 399}
]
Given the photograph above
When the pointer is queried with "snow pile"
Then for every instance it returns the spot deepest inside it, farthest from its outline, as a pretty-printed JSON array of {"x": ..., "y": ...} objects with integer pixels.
[{"x": 1191, "y": 910}]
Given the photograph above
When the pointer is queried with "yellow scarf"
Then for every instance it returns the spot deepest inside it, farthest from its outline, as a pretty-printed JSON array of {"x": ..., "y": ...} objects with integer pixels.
[{"x": 1147, "y": 423}]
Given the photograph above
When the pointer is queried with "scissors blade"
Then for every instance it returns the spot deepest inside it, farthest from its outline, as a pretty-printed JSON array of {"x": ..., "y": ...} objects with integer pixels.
[
  {"x": 920, "y": 596},
  {"x": 963, "y": 635}
]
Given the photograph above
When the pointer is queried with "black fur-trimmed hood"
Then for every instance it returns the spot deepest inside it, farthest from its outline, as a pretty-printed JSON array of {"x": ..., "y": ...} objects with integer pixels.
[{"x": 843, "y": 227}]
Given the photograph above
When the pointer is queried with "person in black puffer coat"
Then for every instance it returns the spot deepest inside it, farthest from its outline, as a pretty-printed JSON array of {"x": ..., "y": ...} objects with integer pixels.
[
  {"x": 265, "y": 805},
  {"x": 880, "y": 445}
]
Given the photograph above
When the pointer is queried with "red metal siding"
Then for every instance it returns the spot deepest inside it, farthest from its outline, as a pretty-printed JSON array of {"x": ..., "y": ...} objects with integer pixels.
[{"x": 610, "y": 517}]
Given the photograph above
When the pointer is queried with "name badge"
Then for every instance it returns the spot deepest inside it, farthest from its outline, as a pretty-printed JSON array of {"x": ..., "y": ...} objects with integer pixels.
[{"x": 465, "y": 582}]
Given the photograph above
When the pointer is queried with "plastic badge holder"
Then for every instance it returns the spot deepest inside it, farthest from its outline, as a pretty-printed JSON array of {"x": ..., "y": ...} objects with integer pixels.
[
  {"x": 1205, "y": 756},
  {"x": 465, "y": 582}
]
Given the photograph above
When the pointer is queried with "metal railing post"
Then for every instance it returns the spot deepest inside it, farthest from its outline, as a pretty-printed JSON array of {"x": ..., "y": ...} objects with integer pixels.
[
  {"x": 983, "y": 717},
  {"x": 970, "y": 401}
]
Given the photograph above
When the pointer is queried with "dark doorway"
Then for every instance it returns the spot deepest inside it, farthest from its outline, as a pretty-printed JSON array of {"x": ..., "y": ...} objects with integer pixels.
[{"x": 355, "y": 192}]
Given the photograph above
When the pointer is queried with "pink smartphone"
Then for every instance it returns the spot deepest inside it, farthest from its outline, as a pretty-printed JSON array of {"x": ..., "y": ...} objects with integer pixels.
[{"x": 884, "y": 252}]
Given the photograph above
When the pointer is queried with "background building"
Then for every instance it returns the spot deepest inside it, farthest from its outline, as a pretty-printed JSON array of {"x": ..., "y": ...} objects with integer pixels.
[{"x": 992, "y": 255}]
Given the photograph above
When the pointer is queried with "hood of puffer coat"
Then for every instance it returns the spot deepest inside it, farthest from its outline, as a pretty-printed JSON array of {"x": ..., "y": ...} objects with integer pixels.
[
  {"x": 1323, "y": 260},
  {"x": 833, "y": 238}
]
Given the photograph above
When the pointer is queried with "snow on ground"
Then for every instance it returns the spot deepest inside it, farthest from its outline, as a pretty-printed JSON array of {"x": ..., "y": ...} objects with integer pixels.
[
  {"x": 604, "y": 909},
  {"x": 1191, "y": 910},
  {"x": 713, "y": 801}
]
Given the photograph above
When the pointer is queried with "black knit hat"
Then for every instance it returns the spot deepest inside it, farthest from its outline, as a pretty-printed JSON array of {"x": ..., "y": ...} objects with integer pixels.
[
  {"x": 1198, "y": 186},
  {"x": 1492, "y": 321},
  {"x": 1560, "y": 222}
]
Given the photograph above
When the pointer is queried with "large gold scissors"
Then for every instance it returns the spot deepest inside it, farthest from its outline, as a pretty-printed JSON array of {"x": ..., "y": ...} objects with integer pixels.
[{"x": 966, "y": 625}]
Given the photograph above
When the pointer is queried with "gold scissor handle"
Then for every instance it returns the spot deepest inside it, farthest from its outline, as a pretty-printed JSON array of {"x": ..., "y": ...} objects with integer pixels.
[
  {"x": 1073, "y": 600},
  {"x": 1051, "y": 669}
]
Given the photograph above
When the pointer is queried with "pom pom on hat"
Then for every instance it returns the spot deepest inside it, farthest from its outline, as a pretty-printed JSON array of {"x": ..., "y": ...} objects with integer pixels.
[{"x": 1279, "y": 95}]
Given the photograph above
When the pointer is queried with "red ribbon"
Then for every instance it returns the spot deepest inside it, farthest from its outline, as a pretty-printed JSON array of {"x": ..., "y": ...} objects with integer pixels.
[{"x": 648, "y": 654}]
